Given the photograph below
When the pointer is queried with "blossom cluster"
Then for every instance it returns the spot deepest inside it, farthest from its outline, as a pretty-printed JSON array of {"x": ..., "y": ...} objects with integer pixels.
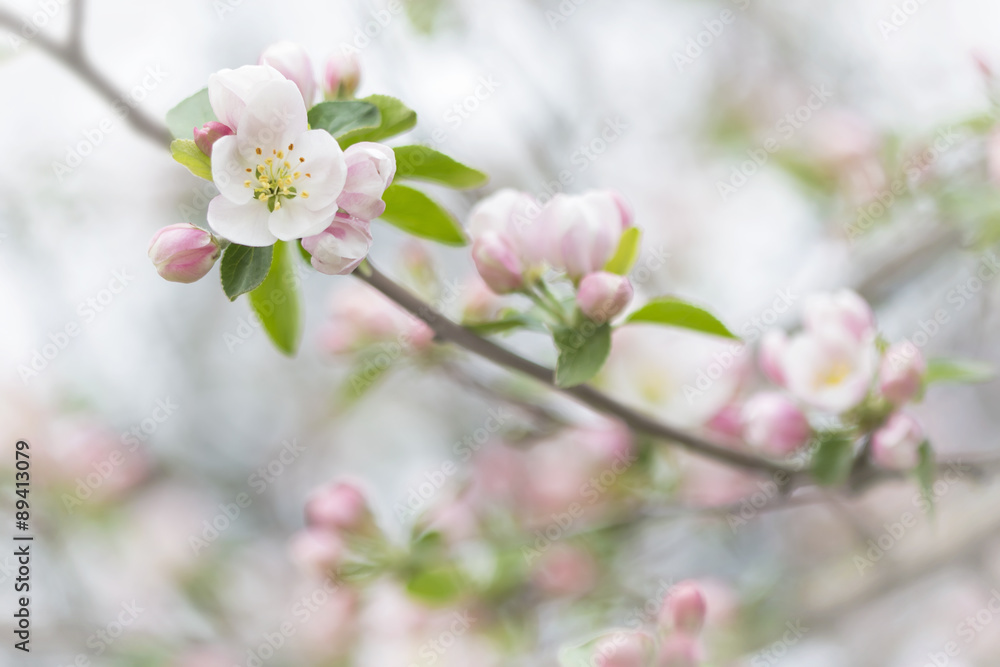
[
  {"x": 277, "y": 178},
  {"x": 837, "y": 365},
  {"x": 516, "y": 241}
]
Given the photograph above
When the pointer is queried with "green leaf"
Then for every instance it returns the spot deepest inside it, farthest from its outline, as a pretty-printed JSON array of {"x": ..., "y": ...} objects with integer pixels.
[
  {"x": 188, "y": 154},
  {"x": 193, "y": 112},
  {"x": 396, "y": 118},
  {"x": 276, "y": 301},
  {"x": 959, "y": 371},
  {"x": 339, "y": 117},
  {"x": 582, "y": 352},
  {"x": 627, "y": 253},
  {"x": 437, "y": 586},
  {"x": 676, "y": 313},
  {"x": 426, "y": 164},
  {"x": 416, "y": 213},
  {"x": 243, "y": 269},
  {"x": 926, "y": 473},
  {"x": 831, "y": 464}
]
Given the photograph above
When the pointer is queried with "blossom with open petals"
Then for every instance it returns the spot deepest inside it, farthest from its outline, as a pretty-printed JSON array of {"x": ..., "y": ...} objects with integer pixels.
[
  {"x": 229, "y": 90},
  {"x": 831, "y": 371},
  {"x": 277, "y": 178}
]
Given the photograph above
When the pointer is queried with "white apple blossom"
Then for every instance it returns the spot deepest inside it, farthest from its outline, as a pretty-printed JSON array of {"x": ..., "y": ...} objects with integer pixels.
[
  {"x": 277, "y": 178},
  {"x": 829, "y": 370},
  {"x": 840, "y": 310},
  {"x": 229, "y": 90}
]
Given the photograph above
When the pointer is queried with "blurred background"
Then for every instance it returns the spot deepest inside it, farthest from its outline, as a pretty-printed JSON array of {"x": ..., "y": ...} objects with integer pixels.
[{"x": 770, "y": 150}]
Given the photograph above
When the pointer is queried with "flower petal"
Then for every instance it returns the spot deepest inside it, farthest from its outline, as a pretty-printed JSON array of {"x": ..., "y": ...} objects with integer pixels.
[
  {"x": 229, "y": 171},
  {"x": 294, "y": 220},
  {"x": 245, "y": 224},
  {"x": 325, "y": 165},
  {"x": 274, "y": 117},
  {"x": 229, "y": 89}
]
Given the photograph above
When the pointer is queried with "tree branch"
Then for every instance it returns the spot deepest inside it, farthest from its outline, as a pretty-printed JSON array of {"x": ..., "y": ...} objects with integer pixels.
[
  {"x": 640, "y": 423},
  {"x": 72, "y": 57},
  {"x": 75, "y": 39}
]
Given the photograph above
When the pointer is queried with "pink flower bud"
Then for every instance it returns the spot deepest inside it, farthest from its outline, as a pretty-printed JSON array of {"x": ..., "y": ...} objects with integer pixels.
[
  {"x": 342, "y": 76},
  {"x": 624, "y": 648},
  {"x": 208, "y": 134},
  {"x": 843, "y": 310},
  {"x": 497, "y": 263},
  {"x": 624, "y": 208},
  {"x": 582, "y": 231},
  {"x": 514, "y": 216},
  {"x": 370, "y": 170},
  {"x": 339, "y": 506},
  {"x": 183, "y": 253},
  {"x": 603, "y": 295},
  {"x": 337, "y": 250},
  {"x": 317, "y": 551},
  {"x": 679, "y": 650},
  {"x": 684, "y": 609},
  {"x": 727, "y": 422},
  {"x": 901, "y": 373},
  {"x": 896, "y": 446},
  {"x": 774, "y": 424},
  {"x": 294, "y": 64},
  {"x": 772, "y": 350}
]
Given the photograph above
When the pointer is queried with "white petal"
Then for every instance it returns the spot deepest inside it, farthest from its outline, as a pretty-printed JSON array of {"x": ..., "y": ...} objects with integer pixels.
[
  {"x": 326, "y": 166},
  {"x": 245, "y": 224},
  {"x": 229, "y": 171},
  {"x": 274, "y": 117},
  {"x": 292, "y": 60},
  {"x": 229, "y": 89},
  {"x": 294, "y": 220}
]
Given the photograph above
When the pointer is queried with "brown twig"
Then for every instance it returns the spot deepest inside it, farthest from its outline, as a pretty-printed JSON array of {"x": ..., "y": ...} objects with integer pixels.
[
  {"x": 71, "y": 55},
  {"x": 638, "y": 422}
]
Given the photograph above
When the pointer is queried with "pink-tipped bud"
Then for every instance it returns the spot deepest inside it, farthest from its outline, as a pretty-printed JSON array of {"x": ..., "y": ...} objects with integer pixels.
[
  {"x": 770, "y": 356},
  {"x": 624, "y": 649},
  {"x": 497, "y": 263},
  {"x": 370, "y": 170},
  {"x": 603, "y": 295},
  {"x": 339, "y": 506},
  {"x": 206, "y": 135},
  {"x": 774, "y": 424},
  {"x": 901, "y": 374},
  {"x": 679, "y": 650},
  {"x": 684, "y": 609},
  {"x": 342, "y": 76},
  {"x": 183, "y": 253},
  {"x": 844, "y": 311},
  {"x": 338, "y": 249},
  {"x": 293, "y": 62},
  {"x": 727, "y": 422},
  {"x": 316, "y": 551},
  {"x": 582, "y": 232},
  {"x": 896, "y": 446}
]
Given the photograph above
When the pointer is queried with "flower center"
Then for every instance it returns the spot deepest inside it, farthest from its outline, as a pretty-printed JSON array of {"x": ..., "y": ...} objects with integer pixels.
[
  {"x": 274, "y": 178},
  {"x": 835, "y": 374}
]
